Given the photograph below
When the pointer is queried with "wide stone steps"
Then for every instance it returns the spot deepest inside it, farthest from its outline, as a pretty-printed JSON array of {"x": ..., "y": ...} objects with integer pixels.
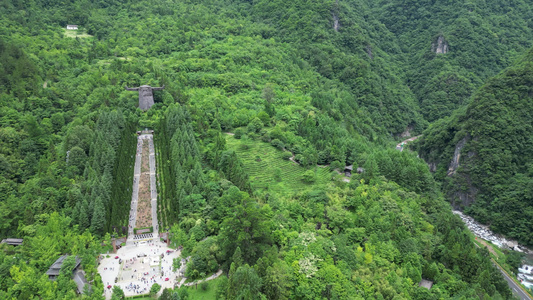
[{"x": 143, "y": 236}]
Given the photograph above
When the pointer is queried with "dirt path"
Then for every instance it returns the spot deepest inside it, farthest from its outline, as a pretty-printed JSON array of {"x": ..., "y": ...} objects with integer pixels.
[{"x": 484, "y": 243}]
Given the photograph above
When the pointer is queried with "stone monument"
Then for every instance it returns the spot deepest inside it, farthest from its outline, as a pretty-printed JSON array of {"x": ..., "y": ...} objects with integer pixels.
[{"x": 146, "y": 96}]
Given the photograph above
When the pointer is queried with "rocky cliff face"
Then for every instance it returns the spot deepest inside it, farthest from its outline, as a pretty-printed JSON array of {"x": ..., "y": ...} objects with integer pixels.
[
  {"x": 462, "y": 192},
  {"x": 336, "y": 24},
  {"x": 440, "y": 46},
  {"x": 454, "y": 164}
]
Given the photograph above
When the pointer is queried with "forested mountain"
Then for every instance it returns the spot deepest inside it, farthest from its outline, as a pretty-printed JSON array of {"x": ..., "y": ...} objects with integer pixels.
[
  {"x": 321, "y": 84},
  {"x": 480, "y": 39},
  {"x": 483, "y": 153}
]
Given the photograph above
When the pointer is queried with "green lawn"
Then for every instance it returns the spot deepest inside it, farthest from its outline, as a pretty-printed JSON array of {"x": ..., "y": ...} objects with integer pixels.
[
  {"x": 262, "y": 172},
  {"x": 197, "y": 293}
]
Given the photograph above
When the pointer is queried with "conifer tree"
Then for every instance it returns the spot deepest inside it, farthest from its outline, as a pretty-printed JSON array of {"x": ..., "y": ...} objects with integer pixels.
[
  {"x": 83, "y": 219},
  {"x": 98, "y": 219}
]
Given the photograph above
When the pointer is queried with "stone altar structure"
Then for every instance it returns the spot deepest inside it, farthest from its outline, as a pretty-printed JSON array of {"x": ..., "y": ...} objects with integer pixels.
[{"x": 146, "y": 95}]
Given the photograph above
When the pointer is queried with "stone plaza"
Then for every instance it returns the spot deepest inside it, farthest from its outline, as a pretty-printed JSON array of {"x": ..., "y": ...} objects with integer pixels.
[{"x": 138, "y": 267}]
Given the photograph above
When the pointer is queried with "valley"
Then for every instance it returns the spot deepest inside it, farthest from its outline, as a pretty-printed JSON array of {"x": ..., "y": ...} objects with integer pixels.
[{"x": 264, "y": 149}]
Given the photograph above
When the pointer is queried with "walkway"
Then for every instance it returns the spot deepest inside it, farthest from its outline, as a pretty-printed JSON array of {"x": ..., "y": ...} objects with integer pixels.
[
  {"x": 135, "y": 194},
  {"x": 153, "y": 186},
  {"x": 216, "y": 275}
]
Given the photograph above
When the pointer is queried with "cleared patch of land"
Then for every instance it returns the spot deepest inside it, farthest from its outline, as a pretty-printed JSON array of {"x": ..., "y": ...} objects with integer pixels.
[
  {"x": 77, "y": 33},
  {"x": 261, "y": 161}
]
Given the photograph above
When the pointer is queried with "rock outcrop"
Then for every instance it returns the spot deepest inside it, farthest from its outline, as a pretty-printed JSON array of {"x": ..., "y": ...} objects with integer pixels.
[
  {"x": 369, "y": 52},
  {"x": 440, "y": 46},
  {"x": 336, "y": 23},
  {"x": 463, "y": 193},
  {"x": 454, "y": 164}
]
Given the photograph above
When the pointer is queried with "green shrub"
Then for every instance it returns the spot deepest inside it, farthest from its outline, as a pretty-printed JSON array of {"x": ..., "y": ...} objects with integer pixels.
[
  {"x": 264, "y": 117},
  {"x": 155, "y": 289},
  {"x": 265, "y": 137},
  {"x": 286, "y": 155},
  {"x": 255, "y": 125},
  {"x": 238, "y": 133},
  {"x": 336, "y": 165},
  {"x": 300, "y": 159},
  {"x": 309, "y": 176},
  {"x": 277, "y": 143},
  {"x": 277, "y": 174}
]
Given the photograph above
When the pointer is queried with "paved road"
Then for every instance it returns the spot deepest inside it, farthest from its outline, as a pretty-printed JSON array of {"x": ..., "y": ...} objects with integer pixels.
[{"x": 515, "y": 288}]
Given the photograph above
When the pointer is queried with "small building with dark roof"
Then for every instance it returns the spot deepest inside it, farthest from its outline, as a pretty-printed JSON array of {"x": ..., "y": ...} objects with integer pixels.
[
  {"x": 348, "y": 171},
  {"x": 53, "y": 271},
  {"x": 81, "y": 282},
  {"x": 12, "y": 242},
  {"x": 77, "y": 275}
]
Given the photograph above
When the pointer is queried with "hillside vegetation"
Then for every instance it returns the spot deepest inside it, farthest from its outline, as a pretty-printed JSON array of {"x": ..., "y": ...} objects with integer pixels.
[
  {"x": 482, "y": 38},
  {"x": 287, "y": 81},
  {"x": 495, "y": 165}
]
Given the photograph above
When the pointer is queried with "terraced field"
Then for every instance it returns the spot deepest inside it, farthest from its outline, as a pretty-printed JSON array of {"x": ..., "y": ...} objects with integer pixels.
[{"x": 262, "y": 173}]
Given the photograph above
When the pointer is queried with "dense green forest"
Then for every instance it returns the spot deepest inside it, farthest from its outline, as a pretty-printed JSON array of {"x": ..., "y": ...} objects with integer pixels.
[
  {"x": 324, "y": 83},
  {"x": 482, "y": 37},
  {"x": 496, "y": 164}
]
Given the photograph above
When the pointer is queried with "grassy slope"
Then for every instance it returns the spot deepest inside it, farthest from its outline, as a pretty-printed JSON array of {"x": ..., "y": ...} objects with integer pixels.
[{"x": 262, "y": 173}]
